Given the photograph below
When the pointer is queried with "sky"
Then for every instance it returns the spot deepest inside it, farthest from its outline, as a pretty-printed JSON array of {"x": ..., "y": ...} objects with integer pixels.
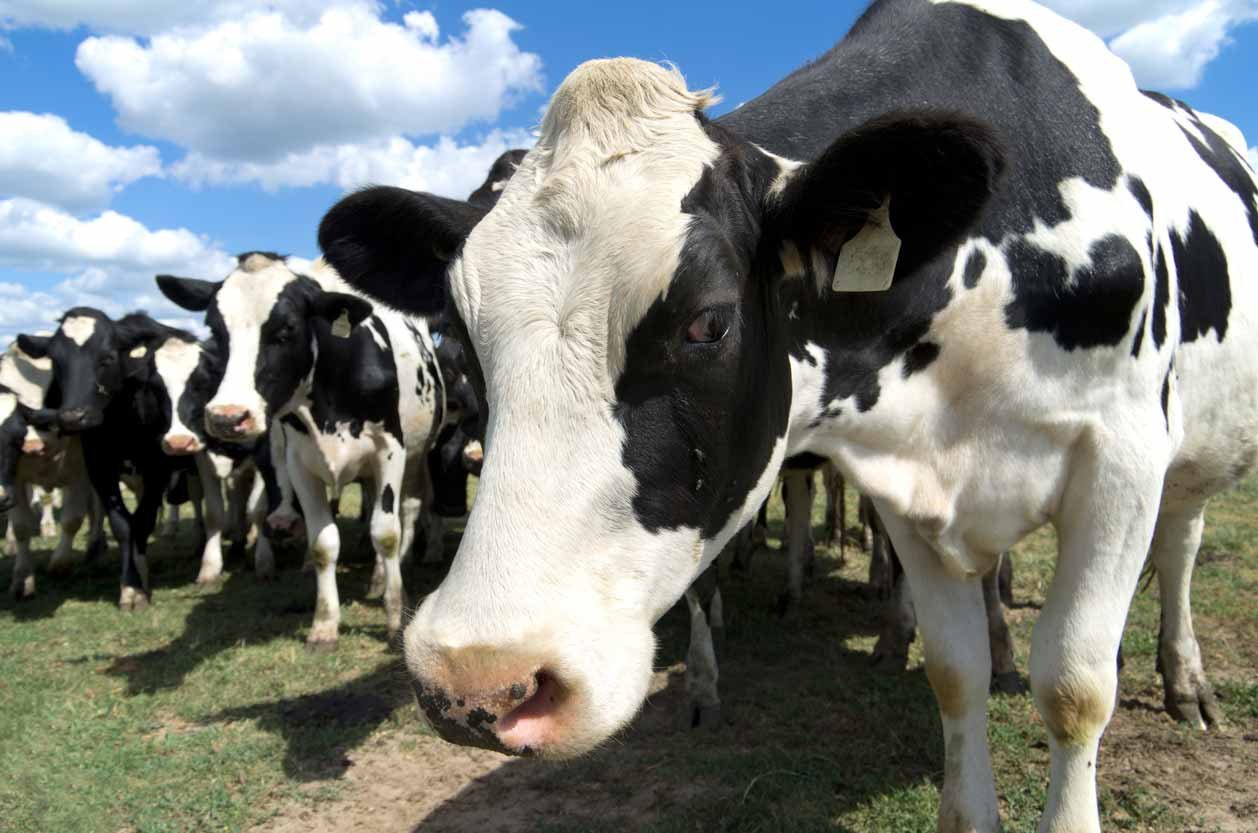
[{"x": 140, "y": 137}]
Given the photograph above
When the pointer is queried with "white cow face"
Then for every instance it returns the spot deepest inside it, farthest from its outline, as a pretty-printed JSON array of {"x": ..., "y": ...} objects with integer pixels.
[{"x": 623, "y": 303}]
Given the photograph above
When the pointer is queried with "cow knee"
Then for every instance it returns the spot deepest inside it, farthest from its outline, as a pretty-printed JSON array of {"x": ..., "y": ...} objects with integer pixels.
[
  {"x": 326, "y": 547},
  {"x": 1076, "y": 703}
]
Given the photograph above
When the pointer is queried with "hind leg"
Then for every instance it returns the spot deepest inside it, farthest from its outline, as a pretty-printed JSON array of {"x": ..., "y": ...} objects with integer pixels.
[{"x": 1188, "y": 695}]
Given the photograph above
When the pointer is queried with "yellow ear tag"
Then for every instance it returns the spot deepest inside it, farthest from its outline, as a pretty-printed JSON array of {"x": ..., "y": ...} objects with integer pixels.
[
  {"x": 867, "y": 261},
  {"x": 139, "y": 352},
  {"x": 341, "y": 327}
]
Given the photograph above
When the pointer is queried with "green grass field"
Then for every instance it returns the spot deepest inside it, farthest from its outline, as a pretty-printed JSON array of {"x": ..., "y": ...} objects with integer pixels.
[{"x": 205, "y": 712}]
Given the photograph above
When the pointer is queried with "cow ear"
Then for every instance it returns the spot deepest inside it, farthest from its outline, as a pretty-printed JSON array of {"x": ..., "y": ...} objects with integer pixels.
[
  {"x": 395, "y": 244},
  {"x": 34, "y": 346},
  {"x": 189, "y": 293},
  {"x": 343, "y": 311},
  {"x": 887, "y": 197}
]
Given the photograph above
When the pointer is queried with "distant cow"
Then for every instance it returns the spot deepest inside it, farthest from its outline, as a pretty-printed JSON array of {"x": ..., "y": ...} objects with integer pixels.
[
  {"x": 31, "y": 458},
  {"x": 961, "y": 255},
  {"x": 106, "y": 391},
  {"x": 356, "y": 393}
]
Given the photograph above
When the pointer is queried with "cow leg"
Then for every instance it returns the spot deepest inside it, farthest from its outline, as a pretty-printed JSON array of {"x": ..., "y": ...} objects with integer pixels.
[
  {"x": 958, "y": 665},
  {"x": 1188, "y": 695},
  {"x": 135, "y": 568},
  {"x": 434, "y": 525},
  {"x": 23, "y": 524},
  {"x": 883, "y": 566},
  {"x": 212, "y": 489},
  {"x": 74, "y": 506},
  {"x": 256, "y": 517},
  {"x": 1004, "y": 672},
  {"x": 96, "y": 544},
  {"x": 836, "y": 509},
  {"x": 323, "y": 549},
  {"x": 703, "y": 598},
  {"x": 1005, "y": 579},
  {"x": 1105, "y": 526},
  {"x": 748, "y": 539},
  {"x": 899, "y": 619},
  {"x": 867, "y": 522},
  {"x": 797, "y": 495},
  {"x": 48, "y": 517},
  {"x": 386, "y": 535}
]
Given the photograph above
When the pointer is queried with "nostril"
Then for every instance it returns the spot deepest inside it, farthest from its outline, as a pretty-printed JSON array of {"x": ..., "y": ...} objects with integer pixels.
[{"x": 533, "y": 723}]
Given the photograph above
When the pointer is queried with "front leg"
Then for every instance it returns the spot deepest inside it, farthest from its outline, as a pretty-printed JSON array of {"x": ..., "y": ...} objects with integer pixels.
[
  {"x": 386, "y": 533},
  {"x": 104, "y": 468},
  {"x": 1104, "y": 525},
  {"x": 212, "y": 493},
  {"x": 797, "y": 494},
  {"x": 324, "y": 547},
  {"x": 703, "y": 598},
  {"x": 953, "y": 628},
  {"x": 22, "y": 526},
  {"x": 76, "y": 498}
]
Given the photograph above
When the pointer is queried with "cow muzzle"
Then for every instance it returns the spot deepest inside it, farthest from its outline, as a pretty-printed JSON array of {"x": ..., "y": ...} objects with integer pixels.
[
  {"x": 75, "y": 420},
  {"x": 181, "y": 445},
  {"x": 232, "y": 423},
  {"x": 34, "y": 448},
  {"x": 491, "y": 699}
]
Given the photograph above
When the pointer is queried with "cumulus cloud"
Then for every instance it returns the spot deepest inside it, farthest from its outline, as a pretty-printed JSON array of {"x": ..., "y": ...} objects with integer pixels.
[
  {"x": 146, "y": 17},
  {"x": 111, "y": 259},
  {"x": 43, "y": 159},
  {"x": 263, "y": 86},
  {"x": 446, "y": 167},
  {"x": 1168, "y": 43}
]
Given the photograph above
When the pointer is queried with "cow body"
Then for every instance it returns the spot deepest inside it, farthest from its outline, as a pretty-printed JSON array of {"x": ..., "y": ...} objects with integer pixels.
[
  {"x": 961, "y": 255},
  {"x": 356, "y": 395}
]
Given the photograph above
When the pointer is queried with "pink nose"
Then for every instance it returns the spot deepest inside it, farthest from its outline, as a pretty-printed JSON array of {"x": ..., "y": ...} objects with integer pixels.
[
  {"x": 493, "y": 699},
  {"x": 35, "y": 448},
  {"x": 178, "y": 445}
]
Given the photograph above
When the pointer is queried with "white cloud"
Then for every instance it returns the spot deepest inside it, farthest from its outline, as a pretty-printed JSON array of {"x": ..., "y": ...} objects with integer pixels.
[
  {"x": 147, "y": 17},
  {"x": 446, "y": 167},
  {"x": 264, "y": 86},
  {"x": 42, "y": 158},
  {"x": 112, "y": 258},
  {"x": 1168, "y": 43}
]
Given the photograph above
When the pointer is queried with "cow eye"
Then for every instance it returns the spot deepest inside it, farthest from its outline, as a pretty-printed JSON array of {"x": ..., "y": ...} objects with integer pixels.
[{"x": 708, "y": 327}]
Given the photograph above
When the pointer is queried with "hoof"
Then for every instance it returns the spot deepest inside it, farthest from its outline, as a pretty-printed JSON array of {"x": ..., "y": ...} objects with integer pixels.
[
  {"x": 132, "y": 600},
  {"x": 376, "y": 589},
  {"x": 705, "y": 717},
  {"x": 321, "y": 645},
  {"x": 1195, "y": 707},
  {"x": 23, "y": 588},
  {"x": 889, "y": 659},
  {"x": 1009, "y": 682},
  {"x": 209, "y": 577}
]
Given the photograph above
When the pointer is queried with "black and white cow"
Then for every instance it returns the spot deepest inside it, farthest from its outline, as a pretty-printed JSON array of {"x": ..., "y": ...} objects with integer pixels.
[
  {"x": 356, "y": 394},
  {"x": 106, "y": 389},
  {"x": 961, "y": 255},
  {"x": 32, "y": 459}
]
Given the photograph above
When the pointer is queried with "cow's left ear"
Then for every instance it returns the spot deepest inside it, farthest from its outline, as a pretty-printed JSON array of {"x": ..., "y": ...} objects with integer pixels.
[
  {"x": 888, "y": 196},
  {"x": 42, "y": 419},
  {"x": 34, "y": 346},
  {"x": 342, "y": 310}
]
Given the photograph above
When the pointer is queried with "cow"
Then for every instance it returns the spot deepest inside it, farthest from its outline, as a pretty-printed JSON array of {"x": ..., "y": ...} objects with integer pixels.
[
  {"x": 355, "y": 391},
  {"x": 105, "y": 390},
  {"x": 961, "y": 255},
  {"x": 31, "y": 460}
]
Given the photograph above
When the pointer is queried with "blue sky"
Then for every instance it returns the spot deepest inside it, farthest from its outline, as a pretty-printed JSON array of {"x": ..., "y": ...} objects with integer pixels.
[{"x": 144, "y": 136}]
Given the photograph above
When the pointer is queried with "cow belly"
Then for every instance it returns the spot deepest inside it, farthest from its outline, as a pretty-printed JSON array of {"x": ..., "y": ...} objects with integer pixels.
[{"x": 340, "y": 458}]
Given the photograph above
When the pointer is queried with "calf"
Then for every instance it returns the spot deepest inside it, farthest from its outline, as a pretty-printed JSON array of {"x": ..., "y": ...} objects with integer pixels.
[
  {"x": 356, "y": 394},
  {"x": 961, "y": 255}
]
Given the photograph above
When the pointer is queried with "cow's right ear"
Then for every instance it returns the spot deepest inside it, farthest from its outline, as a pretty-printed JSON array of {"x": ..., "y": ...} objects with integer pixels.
[
  {"x": 189, "y": 293},
  {"x": 34, "y": 346},
  {"x": 41, "y": 419},
  {"x": 395, "y": 245}
]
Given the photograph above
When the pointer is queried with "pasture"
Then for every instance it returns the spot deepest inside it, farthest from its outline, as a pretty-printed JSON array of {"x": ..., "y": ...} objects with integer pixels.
[{"x": 206, "y": 712}]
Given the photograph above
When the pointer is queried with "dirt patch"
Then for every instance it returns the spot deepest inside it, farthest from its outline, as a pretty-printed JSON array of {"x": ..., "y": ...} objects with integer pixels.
[{"x": 402, "y": 782}]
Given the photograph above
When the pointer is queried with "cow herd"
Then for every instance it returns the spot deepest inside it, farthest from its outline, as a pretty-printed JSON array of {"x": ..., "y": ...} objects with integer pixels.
[{"x": 960, "y": 261}]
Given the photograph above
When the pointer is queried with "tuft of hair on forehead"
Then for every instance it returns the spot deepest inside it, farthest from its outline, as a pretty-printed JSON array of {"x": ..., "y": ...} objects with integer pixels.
[
  {"x": 257, "y": 261},
  {"x": 616, "y": 104}
]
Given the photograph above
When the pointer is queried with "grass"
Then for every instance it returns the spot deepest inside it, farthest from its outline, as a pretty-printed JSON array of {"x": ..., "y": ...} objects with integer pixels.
[{"x": 206, "y": 713}]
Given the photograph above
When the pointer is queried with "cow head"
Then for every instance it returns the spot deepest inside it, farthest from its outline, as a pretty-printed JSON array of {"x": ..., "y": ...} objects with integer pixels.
[
  {"x": 93, "y": 357},
  {"x": 13, "y": 429},
  {"x": 265, "y": 320},
  {"x": 624, "y": 302},
  {"x": 187, "y": 373}
]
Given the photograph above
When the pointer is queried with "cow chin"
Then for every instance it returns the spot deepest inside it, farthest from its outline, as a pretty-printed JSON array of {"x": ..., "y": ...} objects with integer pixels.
[{"x": 556, "y": 695}]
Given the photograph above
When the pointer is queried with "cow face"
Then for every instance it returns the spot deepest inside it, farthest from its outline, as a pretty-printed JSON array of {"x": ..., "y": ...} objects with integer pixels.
[
  {"x": 13, "y": 430},
  {"x": 92, "y": 357},
  {"x": 264, "y": 319},
  {"x": 188, "y": 373},
  {"x": 625, "y": 305}
]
